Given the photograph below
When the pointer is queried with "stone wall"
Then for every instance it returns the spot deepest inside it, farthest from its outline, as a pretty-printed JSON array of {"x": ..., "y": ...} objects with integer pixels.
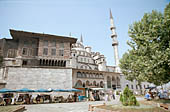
[{"x": 36, "y": 78}]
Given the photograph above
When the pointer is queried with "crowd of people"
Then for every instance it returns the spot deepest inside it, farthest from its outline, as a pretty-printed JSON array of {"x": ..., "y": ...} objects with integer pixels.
[
  {"x": 28, "y": 98},
  {"x": 101, "y": 96},
  {"x": 152, "y": 94}
]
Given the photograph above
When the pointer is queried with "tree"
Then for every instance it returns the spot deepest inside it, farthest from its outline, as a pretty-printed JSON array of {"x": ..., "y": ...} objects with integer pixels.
[
  {"x": 128, "y": 99},
  {"x": 149, "y": 57}
]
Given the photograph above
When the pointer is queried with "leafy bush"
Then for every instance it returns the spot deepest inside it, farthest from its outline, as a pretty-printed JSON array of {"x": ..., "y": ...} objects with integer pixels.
[{"x": 127, "y": 98}]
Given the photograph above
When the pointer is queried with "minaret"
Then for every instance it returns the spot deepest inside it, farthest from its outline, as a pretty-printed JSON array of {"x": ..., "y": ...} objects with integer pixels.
[
  {"x": 81, "y": 39},
  {"x": 114, "y": 40}
]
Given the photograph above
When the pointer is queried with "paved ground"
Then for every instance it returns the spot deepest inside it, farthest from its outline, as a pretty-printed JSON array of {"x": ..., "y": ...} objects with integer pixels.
[
  {"x": 63, "y": 107},
  {"x": 66, "y": 107}
]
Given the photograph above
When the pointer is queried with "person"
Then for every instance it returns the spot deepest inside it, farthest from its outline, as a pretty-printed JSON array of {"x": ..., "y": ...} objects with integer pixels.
[
  {"x": 97, "y": 96},
  {"x": 94, "y": 95},
  {"x": 91, "y": 96},
  {"x": 106, "y": 97},
  {"x": 113, "y": 96},
  {"x": 75, "y": 97},
  {"x": 151, "y": 94},
  {"x": 79, "y": 97}
]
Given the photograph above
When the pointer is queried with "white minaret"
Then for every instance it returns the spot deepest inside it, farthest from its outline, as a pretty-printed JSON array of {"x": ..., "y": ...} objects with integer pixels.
[{"x": 114, "y": 41}]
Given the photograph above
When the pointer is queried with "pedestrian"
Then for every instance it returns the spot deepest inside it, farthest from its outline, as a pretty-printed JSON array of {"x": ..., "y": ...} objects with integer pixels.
[
  {"x": 113, "y": 96},
  {"x": 106, "y": 97}
]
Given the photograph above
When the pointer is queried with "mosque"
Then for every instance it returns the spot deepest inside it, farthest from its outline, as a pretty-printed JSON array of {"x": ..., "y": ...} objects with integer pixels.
[{"x": 37, "y": 60}]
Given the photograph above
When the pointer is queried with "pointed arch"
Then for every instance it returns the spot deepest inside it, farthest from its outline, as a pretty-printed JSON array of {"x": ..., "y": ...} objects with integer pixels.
[
  {"x": 53, "y": 63},
  {"x": 94, "y": 83},
  {"x": 61, "y": 63},
  {"x": 101, "y": 84},
  {"x": 87, "y": 83},
  {"x": 43, "y": 62},
  {"x": 79, "y": 84},
  {"x": 49, "y": 64},
  {"x": 40, "y": 62},
  {"x": 64, "y": 64},
  {"x": 46, "y": 63},
  {"x": 58, "y": 63}
]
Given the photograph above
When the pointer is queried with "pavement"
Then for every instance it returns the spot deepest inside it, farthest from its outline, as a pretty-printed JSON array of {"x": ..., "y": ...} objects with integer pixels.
[
  {"x": 62, "y": 107},
  {"x": 67, "y": 107}
]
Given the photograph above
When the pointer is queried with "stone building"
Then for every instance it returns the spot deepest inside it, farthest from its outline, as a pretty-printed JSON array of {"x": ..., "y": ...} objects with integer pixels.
[
  {"x": 37, "y": 60},
  {"x": 90, "y": 69}
]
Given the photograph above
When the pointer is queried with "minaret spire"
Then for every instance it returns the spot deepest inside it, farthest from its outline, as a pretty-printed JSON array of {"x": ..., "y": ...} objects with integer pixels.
[
  {"x": 114, "y": 40},
  {"x": 81, "y": 39},
  {"x": 111, "y": 17}
]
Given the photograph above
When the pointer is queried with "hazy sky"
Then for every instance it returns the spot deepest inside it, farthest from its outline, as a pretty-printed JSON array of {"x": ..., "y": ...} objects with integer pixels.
[{"x": 89, "y": 17}]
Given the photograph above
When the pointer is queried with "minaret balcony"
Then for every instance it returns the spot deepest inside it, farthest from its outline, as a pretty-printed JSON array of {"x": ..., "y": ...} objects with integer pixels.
[
  {"x": 114, "y": 43},
  {"x": 113, "y": 35},
  {"x": 112, "y": 27}
]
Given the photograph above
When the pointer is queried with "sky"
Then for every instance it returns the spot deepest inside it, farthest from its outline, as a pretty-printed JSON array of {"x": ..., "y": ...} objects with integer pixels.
[{"x": 87, "y": 17}]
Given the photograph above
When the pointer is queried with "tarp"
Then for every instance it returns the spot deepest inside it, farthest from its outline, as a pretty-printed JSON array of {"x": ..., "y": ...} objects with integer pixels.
[
  {"x": 74, "y": 90},
  {"x": 42, "y": 90},
  {"x": 4, "y": 90},
  {"x": 67, "y": 90},
  {"x": 97, "y": 88},
  {"x": 60, "y": 90},
  {"x": 24, "y": 90}
]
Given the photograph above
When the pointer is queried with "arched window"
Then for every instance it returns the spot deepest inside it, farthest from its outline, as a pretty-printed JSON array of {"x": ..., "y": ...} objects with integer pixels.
[
  {"x": 108, "y": 82},
  {"x": 87, "y": 83},
  {"x": 79, "y": 75},
  {"x": 97, "y": 75},
  {"x": 83, "y": 75},
  {"x": 79, "y": 84},
  {"x": 49, "y": 64},
  {"x": 87, "y": 75},
  {"x": 46, "y": 63},
  {"x": 101, "y": 84},
  {"x": 40, "y": 62},
  {"x": 94, "y": 83},
  {"x": 64, "y": 63},
  {"x": 101, "y": 76},
  {"x": 94, "y": 75},
  {"x": 43, "y": 62},
  {"x": 52, "y": 63},
  {"x": 56, "y": 64},
  {"x": 97, "y": 85},
  {"x": 61, "y": 63}
]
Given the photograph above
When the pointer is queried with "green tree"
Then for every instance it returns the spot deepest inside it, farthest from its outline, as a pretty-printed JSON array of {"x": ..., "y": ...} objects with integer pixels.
[
  {"x": 127, "y": 98},
  {"x": 149, "y": 57}
]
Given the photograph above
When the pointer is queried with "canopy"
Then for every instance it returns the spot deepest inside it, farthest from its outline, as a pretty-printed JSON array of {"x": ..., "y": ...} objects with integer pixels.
[
  {"x": 42, "y": 90},
  {"x": 4, "y": 90},
  {"x": 74, "y": 90},
  {"x": 97, "y": 88},
  {"x": 60, "y": 90},
  {"x": 24, "y": 90}
]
